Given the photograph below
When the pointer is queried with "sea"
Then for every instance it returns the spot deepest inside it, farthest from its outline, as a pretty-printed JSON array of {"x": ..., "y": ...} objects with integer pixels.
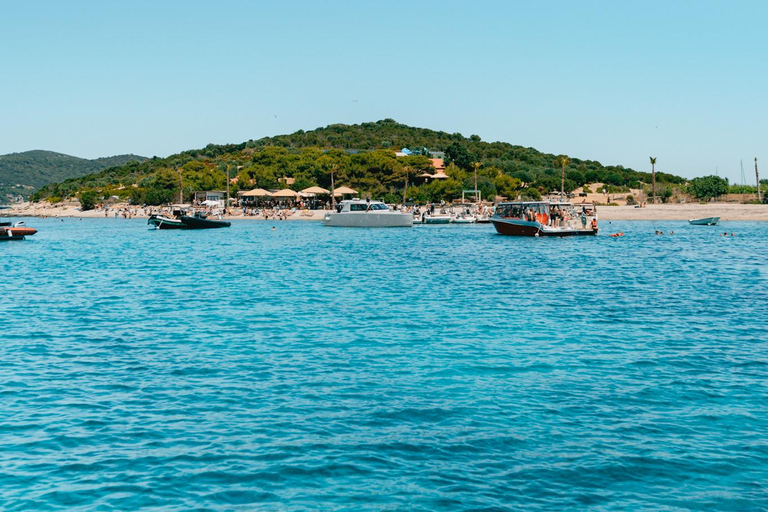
[{"x": 280, "y": 365}]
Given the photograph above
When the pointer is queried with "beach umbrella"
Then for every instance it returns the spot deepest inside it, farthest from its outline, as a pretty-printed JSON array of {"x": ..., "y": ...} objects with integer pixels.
[
  {"x": 315, "y": 190},
  {"x": 343, "y": 190},
  {"x": 257, "y": 192},
  {"x": 286, "y": 192}
]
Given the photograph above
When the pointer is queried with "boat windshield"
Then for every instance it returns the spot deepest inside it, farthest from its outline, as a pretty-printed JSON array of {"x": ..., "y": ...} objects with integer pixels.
[
  {"x": 362, "y": 207},
  {"x": 519, "y": 210}
]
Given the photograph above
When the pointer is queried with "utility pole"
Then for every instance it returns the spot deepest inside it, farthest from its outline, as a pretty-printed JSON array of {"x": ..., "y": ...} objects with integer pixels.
[
  {"x": 226, "y": 204},
  {"x": 181, "y": 188},
  {"x": 476, "y": 165},
  {"x": 333, "y": 194},
  {"x": 757, "y": 177},
  {"x": 405, "y": 191},
  {"x": 564, "y": 160},
  {"x": 653, "y": 178}
]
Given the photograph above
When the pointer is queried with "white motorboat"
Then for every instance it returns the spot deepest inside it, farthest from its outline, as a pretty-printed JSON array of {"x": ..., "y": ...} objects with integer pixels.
[
  {"x": 359, "y": 213},
  {"x": 463, "y": 218}
]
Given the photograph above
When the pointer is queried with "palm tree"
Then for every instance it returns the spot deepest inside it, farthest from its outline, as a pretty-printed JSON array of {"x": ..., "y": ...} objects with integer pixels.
[
  {"x": 562, "y": 160},
  {"x": 476, "y": 165},
  {"x": 653, "y": 178}
]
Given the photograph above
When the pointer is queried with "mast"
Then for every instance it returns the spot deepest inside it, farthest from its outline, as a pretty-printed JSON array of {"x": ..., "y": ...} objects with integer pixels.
[
  {"x": 743, "y": 176},
  {"x": 181, "y": 189},
  {"x": 333, "y": 195}
]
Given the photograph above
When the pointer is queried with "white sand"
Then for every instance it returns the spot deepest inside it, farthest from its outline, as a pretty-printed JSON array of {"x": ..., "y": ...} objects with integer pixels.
[{"x": 726, "y": 211}]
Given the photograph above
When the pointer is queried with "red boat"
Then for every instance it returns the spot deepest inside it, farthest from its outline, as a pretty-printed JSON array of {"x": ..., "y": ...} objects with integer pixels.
[
  {"x": 545, "y": 218},
  {"x": 15, "y": 231}
]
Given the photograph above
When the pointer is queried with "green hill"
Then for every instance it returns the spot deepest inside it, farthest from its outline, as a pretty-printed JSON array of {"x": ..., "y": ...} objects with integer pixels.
[
  {"x": 363, "y": 157},
  {"x": 23, "y": 173}
]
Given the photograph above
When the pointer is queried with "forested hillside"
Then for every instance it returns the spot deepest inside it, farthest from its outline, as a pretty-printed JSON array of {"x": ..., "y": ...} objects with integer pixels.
[
  {"x": 23, "y": 173},
  {"x": 363, "y": 157}
]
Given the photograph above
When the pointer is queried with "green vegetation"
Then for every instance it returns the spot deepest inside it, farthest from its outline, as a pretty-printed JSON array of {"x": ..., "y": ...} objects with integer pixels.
[
  {"x": 23, "y": 173},
  {"x": 363, "y": 157},
  {"x": 88, "y": 200},
  {"x": 708, "y": 187}
]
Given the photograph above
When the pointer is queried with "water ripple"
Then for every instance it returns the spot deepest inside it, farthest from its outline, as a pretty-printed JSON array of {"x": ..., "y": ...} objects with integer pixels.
[{"x": 424, "y": 369}]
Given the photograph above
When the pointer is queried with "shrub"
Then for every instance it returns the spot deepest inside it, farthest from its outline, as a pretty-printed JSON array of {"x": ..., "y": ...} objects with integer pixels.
[{"x": 88, "y": 200}]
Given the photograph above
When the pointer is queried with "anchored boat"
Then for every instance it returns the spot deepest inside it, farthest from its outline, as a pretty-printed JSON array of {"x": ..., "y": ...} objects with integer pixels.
[
  {"x": 15, "y": 231},
  {"x": 182, "y": 221},
  {"x": 705, "y": 221},
  {"x": 357, "y": 213},
  {"x": 545, "y": 218}
]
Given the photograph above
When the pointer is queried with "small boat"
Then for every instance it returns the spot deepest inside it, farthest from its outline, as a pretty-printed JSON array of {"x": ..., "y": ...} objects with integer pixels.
[
  {"x": 180, "y": 220},
  {"x": 165, "y": 222},
  {"x": 15, "y": 231},
  {"x": 463, "y": 219},
  {"x": 705, "y": 221},
  {"x": 545, "y": 218},
  {"x": 441, "y": 217},
  {"x": 357, "y": 213},
  {"x": 201, "y": 221}
]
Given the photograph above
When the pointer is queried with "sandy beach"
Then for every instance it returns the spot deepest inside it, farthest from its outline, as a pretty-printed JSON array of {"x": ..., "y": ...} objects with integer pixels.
[{"x": 726, "y": 212}]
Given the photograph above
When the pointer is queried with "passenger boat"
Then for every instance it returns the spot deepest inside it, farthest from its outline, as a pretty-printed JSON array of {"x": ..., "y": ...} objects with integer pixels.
[
  {"x": 15, "y": 231},
  {"x": 165, "y": 222},
  {"x": 705, "y": 221},
  {"x": 545, "y": 218},
  {"x": 358, "y": 213}
]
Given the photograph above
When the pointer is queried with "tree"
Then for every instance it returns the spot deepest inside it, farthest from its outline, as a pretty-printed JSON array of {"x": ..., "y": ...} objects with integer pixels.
[
  {"x": 459, "y": 155},
  {"x": 88, "y": 200},
  {"x": 708, "y": 187},
  {"x": 506, "y": 185},
  {"x": 653, "y": 178}
]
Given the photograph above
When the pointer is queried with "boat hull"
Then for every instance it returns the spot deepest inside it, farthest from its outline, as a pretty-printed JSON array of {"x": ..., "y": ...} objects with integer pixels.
[
  {"x": 16, "y": 233},
  {"x": 200, "y": 223},
  {"x": 165, "y": 223},
  {"x": 706, "y": 221},
  {"x": 368, "y": 220},
  {"x": 443, "y": 219},
  {"x": 529, "y": 228}
]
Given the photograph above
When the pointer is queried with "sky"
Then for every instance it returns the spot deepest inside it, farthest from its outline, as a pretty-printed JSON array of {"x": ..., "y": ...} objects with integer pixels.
[{"x": 617, "y": 82}]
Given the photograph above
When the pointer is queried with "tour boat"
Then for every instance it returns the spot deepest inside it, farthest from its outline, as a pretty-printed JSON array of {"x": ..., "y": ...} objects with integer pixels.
[
  {"x": 358, "y": 213},
  {"x": 705, "y": 221},
  {"x": 15, "y": 231},
  {"x": 545, "y": 218}
]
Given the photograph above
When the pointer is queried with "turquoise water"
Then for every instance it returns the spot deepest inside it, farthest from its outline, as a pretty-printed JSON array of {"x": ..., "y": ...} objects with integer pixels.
[{"x": 433, "y": 368}]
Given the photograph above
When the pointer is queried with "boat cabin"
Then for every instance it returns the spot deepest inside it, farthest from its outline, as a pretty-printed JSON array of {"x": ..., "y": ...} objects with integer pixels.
[
  {"x": 548, "y": 213},
  {"x": 360, "y": 205}
]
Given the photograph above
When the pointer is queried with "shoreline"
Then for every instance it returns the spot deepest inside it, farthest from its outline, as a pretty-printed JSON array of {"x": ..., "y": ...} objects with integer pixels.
[{"x": 657, "y": 212}]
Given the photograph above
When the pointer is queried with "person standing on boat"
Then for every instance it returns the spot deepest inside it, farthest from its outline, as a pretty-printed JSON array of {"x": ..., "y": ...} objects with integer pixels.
[{"x": 583, "y": 218}]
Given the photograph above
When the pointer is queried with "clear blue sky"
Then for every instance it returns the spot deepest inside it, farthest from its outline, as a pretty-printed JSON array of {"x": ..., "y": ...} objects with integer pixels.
[{"x": 685, "y": 81}]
